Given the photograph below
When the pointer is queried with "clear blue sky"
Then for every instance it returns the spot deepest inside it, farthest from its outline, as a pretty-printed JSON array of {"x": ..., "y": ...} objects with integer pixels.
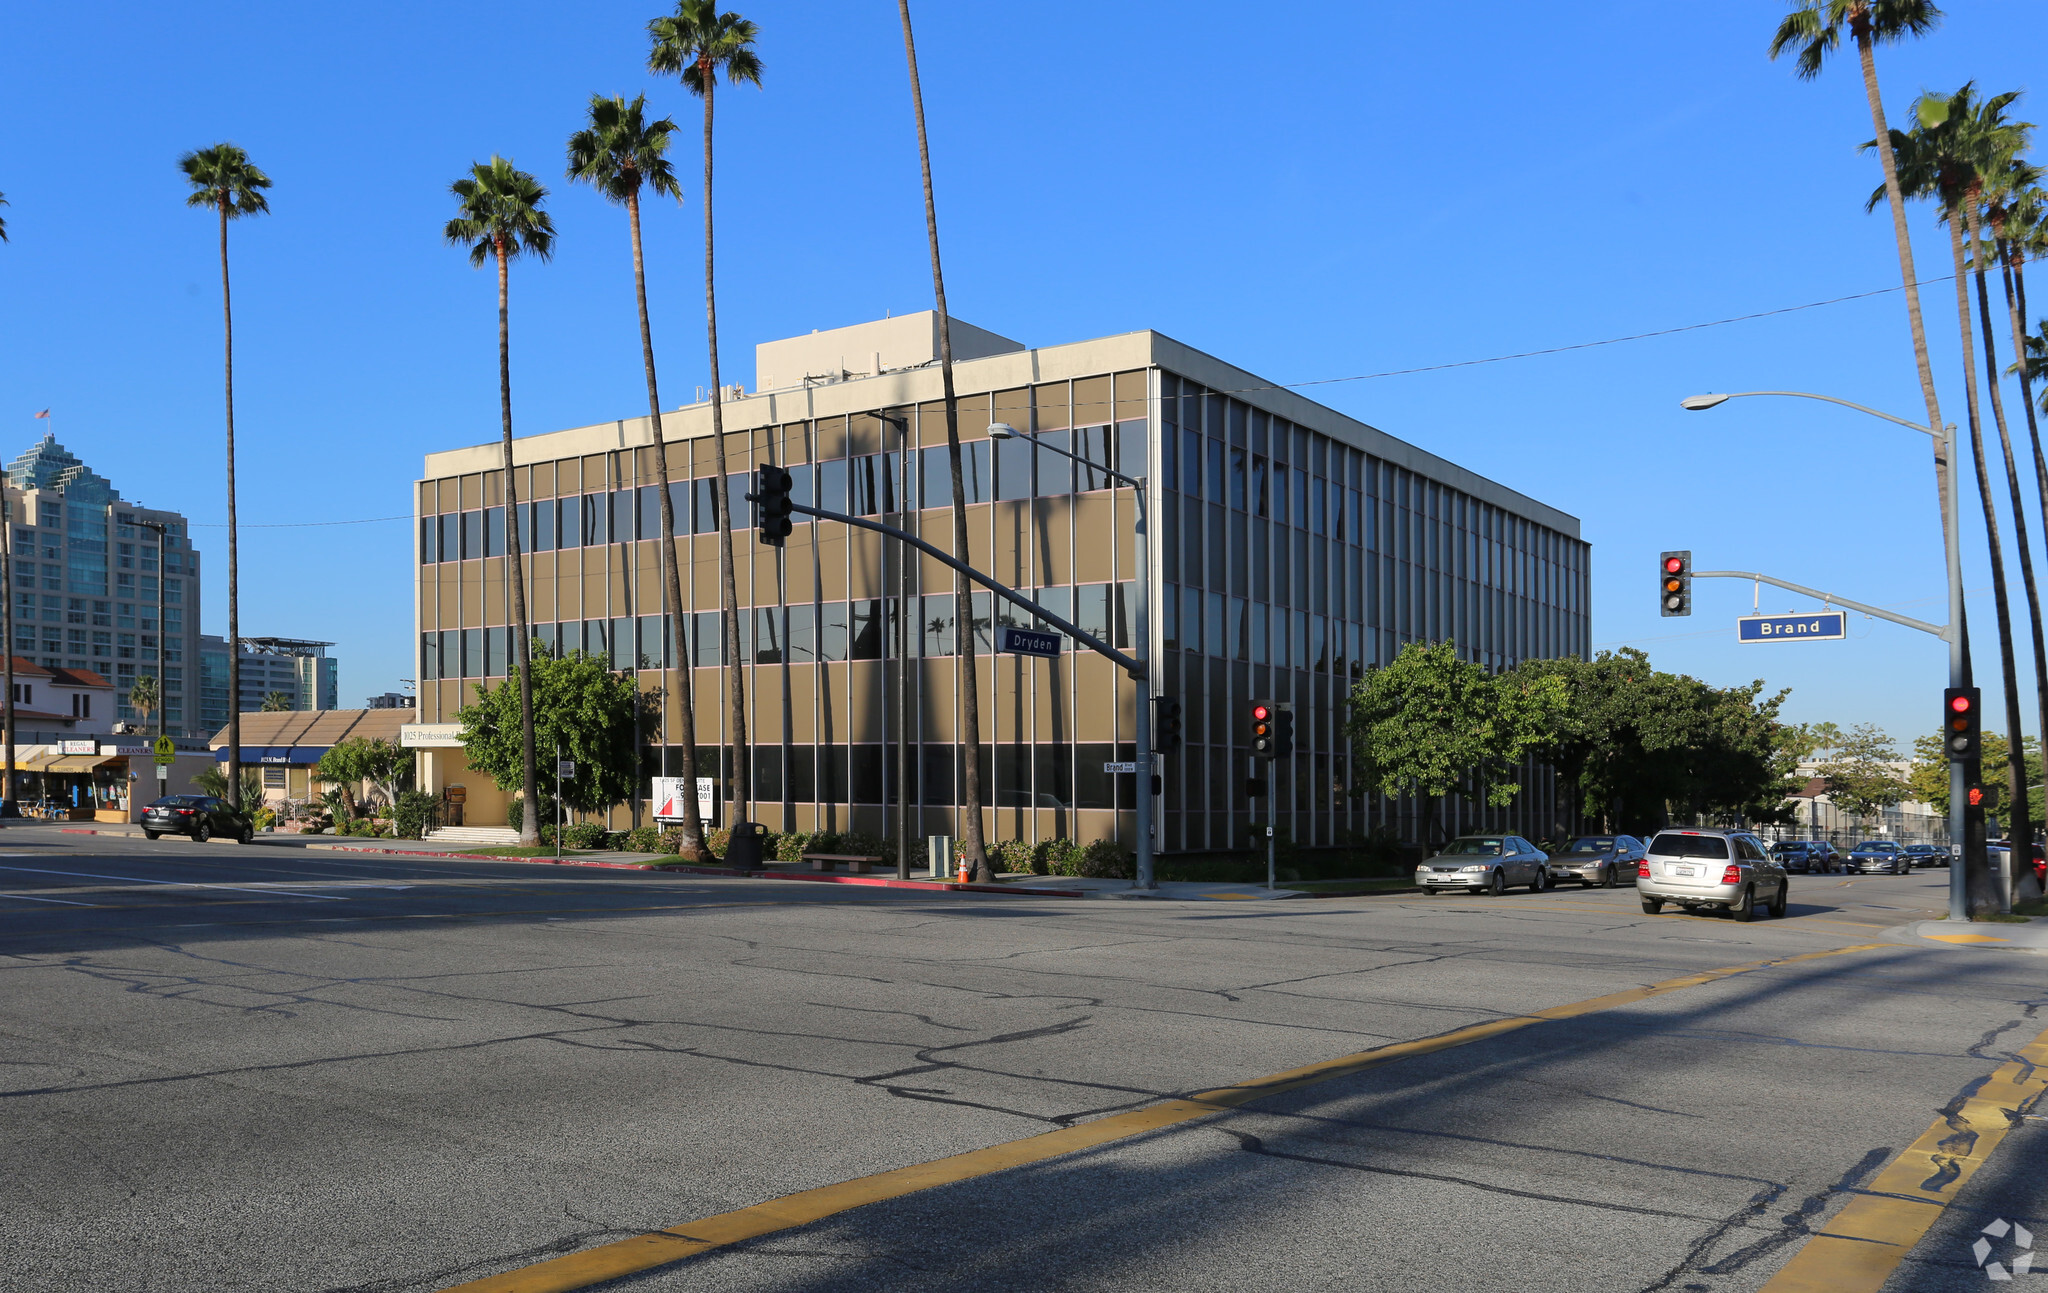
[{"x": 1366, "y": 188}]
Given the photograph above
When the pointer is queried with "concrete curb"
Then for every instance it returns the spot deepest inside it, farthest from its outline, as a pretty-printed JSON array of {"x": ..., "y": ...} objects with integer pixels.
[{"x": 1991, "y": 936}]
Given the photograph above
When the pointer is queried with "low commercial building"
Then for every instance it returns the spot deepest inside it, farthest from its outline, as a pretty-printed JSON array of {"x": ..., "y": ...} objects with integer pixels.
[
  {"x": 286, "y": 744},
  {"x": 1292, "y": 548}
]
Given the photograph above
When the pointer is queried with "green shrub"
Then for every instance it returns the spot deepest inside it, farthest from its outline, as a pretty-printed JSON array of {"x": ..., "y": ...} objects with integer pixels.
[
  {"x": 862, "y": 843},
  {"x": 1108, "y": 860},
  {"x": 1010, "y": 855},
  {"x": 641, "y": 839},
  {"x": 791, "y": 846},
  {"x": 669, "y": 841},
  {"x": 584, "y": 835},
  {"x": 716, "y": 839},
  {"x": 1057, "y": 857},
  {"x": 414, "y": 814}
]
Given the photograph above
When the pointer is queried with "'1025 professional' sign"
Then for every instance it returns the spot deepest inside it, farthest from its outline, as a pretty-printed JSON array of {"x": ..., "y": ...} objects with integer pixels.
[{"x": 1813, "y": 626}]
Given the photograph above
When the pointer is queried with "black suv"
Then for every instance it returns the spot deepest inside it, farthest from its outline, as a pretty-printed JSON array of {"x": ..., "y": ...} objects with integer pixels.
[{"x": 200, "y": 816}]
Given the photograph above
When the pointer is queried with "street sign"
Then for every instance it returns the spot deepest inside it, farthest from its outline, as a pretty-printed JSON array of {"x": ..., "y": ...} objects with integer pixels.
[
  {"x": 1811, "y": 627},
  {"x": 565, "y": 768},
  {"x": 166, "y": 751},
  {"x": 1119, "y": 767},
  {"x": 1032, "y": 642}
]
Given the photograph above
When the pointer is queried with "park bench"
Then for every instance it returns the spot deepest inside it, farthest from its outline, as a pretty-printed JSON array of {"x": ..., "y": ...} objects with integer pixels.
[{"x": 857, "y": 863}]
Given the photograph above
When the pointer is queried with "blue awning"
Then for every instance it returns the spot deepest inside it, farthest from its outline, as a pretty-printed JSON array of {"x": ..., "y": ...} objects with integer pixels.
[{"x": 274, "y": 754}]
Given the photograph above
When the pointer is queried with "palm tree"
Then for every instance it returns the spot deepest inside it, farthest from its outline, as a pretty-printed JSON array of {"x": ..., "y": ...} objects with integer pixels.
[
  {"x": 1814, "y": 28},
  {"x": 500, "y": 220},
  {"x": 973, "y": 845},
  {"x": 7, "y": 628},
  {"x": 616, "y": 154},
  {"x": 1939, "y": 159},
  {"x": 222, "y": 177},
  {"x": 697, "y": 43},
  {"x": 143, "y": 696}
]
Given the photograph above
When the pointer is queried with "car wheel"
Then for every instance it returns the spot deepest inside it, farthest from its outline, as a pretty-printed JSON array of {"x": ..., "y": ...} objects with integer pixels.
[
  {"x": 150, "y": 835},
  {"x": 202, "y": 832},
  {"x": 1651, "y": 906},
  {"x": 1744, "y": 908},
  {"x": 1495, "y": 886},
  {"x": 247, "y": 836},
  {"x": 1611, "y": 880},
  {"x": 1778, "y": 903},
  {"x": 1541, "y": 882},
  {"x": 1428, "y": 892}
]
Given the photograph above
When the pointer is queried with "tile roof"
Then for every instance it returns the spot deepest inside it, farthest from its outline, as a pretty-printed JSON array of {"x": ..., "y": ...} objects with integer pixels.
[{"x": 316, "y": 726}]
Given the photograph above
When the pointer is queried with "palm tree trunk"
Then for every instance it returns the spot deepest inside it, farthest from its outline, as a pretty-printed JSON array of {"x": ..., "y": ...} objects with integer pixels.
[
  {"x": 742, "y": 766},
  {"x": 2014, "y": 262},
  {"x": 2023, "y": 826},
  {"x": 1981, "y": 899},
  {"x": 515, "y": 578},
  {"x": 975, "y": 847},
  {"x": 234, "y": 590},
  {"x": 671, "y": 573},
  {"x": 1903, "y": 237}
]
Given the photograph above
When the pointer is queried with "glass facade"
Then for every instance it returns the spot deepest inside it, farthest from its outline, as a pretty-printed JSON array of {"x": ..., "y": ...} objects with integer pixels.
[{"x": 1287, "y": 558}]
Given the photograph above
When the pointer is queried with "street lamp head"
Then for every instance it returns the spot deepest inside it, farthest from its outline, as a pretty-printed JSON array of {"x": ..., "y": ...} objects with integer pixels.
[
  {"x": 1001, "y": 431},
  {"x": 1699, "y": 403}
]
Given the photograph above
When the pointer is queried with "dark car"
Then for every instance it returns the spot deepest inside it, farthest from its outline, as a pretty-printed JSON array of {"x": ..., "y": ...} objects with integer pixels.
[
  {"x": 1803, "y": 856},
  {"x": 1927, "y": 854},
  {"x": 200, "y": 816},
  {"x": 1879, "y": 857}
]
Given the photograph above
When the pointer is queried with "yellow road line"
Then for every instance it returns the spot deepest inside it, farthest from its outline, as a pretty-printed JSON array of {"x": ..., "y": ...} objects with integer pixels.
[
  {"x": 1866, "y": 1241},
  {"x": 645, "y": 1252}
]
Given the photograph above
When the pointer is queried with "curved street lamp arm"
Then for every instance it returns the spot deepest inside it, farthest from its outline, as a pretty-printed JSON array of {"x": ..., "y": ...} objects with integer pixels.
[
  {"x": 1849, "y": 404},
  {"x": 1911, "y": 623}
]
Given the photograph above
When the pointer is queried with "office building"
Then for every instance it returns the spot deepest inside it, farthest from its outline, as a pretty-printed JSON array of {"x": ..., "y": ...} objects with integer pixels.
[
  {"x": 1292, "y": 548},
  {"x": 299, "y": 670},
  {"x": 86, "y": 566},
  {"x": 390, "y": 700}
]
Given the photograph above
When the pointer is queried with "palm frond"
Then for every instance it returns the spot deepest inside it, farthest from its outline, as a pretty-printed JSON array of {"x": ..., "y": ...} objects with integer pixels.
[
  {"x": 222, "y": 177},
  {"x": 500, "y": 213},
  {"x": 620, "y": 150},
  {"x": 698, "y": 42},
  {"x": 3, "y": 222}
]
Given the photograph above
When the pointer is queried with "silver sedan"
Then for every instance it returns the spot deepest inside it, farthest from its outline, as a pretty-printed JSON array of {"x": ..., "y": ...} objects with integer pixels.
[
  {"x": 1485, "y": 864},
  {"x": 1603, "y": 860}
]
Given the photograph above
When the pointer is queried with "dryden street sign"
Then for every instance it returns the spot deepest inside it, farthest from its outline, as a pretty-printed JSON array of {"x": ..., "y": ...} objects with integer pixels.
[
  {"x": 1031, "y": 642},
  {"x": 1810, "y": 627}
]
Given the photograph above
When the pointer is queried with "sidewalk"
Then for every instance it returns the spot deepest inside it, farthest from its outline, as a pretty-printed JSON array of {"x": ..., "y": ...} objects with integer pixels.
[{"x": 1997, "y": 935}]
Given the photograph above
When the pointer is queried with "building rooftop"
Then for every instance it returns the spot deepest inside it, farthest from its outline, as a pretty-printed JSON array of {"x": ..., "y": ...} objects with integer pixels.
[{"x": 316, "y": 726}]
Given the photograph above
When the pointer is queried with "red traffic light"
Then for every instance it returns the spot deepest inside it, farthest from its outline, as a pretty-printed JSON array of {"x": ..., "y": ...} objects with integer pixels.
[
  {"x": 1960, "y": 704},
  {"x": 1261, "y": 713},
  {"x": 1672, "y": 565}
]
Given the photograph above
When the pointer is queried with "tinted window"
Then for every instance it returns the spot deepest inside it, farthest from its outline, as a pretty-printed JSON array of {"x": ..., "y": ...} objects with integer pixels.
[
  {"x": 177, "y": 801},
  {"x": 1591, "y": 844},
  {"x": 1674, "y": 845}
]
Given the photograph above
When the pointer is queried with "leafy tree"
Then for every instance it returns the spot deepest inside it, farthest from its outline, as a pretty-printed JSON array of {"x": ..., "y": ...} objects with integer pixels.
[
  {"x": 276, "y": 702},
  {"x": 618, "y": 153},
  {"x": 1802, "y": 742},
  {"x": 1863, "y": 776},
  {"x": 501, "y": 220},
  {"x": 354, "y": 760},
  {"x": 1928, "y": 774},
  {"x": 222, "y": 177},
  {"x": 143, "y": 696},
  {"x": 1430, "y": 723},
  {"x": 975, "y": 847},
  {"x": 581, "y": 708},
  {"x": 697, "y": 43}
]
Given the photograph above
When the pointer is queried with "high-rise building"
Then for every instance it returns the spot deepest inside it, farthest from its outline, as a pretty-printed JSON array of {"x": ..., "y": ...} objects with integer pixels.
[
  {"x": 390, "y": 700},
  {"x": 1291, "y": 548},
  {"x": 92, "y": 582},
  {"x": 298, "y": 669}
]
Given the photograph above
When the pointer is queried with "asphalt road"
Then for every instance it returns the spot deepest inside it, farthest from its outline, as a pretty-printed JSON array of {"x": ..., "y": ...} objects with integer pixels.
[{"x": 228, "y": 1068}]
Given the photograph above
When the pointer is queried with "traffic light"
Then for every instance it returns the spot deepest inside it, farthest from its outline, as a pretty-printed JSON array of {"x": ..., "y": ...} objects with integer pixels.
[
  {"x": 771, "y": 503},
  {"x": 1167, "y": 734},
  {"x": 1674, "y": 583},
  {"x": 1962, "y": 723},
  {"x": 1272, "y": 730}
]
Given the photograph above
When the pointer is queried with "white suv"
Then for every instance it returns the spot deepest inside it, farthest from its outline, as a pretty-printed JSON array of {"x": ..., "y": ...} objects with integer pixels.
[{"x": 1711, "y": 870}]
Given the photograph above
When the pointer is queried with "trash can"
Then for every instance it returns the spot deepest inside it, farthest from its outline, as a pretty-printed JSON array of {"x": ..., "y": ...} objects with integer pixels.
[{"x": 743, "y": 849}]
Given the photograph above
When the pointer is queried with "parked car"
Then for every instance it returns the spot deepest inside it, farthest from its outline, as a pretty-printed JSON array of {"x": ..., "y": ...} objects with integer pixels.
[
  {"x": 1597, "y": 859},
  {"x": 1711, "y": 870},
  {"x": 1485, "y": 864},
  {"x": 200, "y": 816},
  {"x": 1804, "y": 855},
  {"x": 1927, "y": 855},
  {"x": 1879, "y": 857}
]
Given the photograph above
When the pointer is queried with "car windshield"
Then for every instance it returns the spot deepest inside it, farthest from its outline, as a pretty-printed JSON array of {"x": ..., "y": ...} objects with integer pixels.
[
  {"x": 1673, "y": 844},
  {"x": 1591, "y": 844},
  {"x": 1877, "y": 846},
  {"x": 178, "y": 801},
  {"x": 1472, "y": 849},
  {"x": 1920, "y": 848}
]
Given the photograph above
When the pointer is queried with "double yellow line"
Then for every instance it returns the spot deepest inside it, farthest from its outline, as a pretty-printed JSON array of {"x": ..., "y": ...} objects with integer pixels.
[{"x": 611, "y": 1261}]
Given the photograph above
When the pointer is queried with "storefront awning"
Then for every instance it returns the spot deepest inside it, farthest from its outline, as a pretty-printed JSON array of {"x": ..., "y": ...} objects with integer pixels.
[
  {"x": 79, "y": 762},
  {"x": 275, "y": 754},
  {"x": 33, "y": 765}
]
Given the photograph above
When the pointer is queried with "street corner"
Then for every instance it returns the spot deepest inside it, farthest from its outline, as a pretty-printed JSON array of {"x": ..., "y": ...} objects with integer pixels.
[{"x": 2030, "y": 936}]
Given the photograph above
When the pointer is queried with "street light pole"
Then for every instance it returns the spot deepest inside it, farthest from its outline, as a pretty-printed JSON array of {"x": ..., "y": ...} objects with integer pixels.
[
  {"x": 1142, "y": 627},
  {"x": 1958, "y": 657}
]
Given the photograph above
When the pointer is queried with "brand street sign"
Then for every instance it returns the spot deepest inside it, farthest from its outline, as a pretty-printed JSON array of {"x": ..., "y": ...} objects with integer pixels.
[
  {"x": 1119, "y": 767},
  {"x": 1032, "y": 642},
  {"x": 1811, "y": 627}
]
